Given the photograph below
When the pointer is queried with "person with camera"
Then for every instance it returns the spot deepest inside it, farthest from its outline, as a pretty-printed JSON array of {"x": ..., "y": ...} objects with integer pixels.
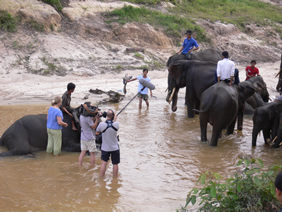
[
  {"x": 88, "y": 124},
  {"x": 110, "y": 147}
]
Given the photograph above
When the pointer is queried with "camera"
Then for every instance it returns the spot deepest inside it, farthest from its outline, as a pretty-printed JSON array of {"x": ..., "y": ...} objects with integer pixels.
[{"x": 104, "y": 114}]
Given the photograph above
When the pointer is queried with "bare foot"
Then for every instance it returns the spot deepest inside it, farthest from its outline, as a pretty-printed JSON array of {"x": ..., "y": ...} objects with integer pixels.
[{"x": 74, "y": 129}]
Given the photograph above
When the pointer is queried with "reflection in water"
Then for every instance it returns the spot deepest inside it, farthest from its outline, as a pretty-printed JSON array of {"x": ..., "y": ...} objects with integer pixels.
[{"x": 161, "y": 159}]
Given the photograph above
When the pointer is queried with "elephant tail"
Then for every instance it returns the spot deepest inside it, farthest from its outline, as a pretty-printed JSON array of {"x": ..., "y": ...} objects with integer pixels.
[{"x": 205, "y": 105}]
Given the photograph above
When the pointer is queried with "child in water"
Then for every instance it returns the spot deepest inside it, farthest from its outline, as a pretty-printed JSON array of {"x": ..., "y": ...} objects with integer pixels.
[{"x": 54, "y": 127}]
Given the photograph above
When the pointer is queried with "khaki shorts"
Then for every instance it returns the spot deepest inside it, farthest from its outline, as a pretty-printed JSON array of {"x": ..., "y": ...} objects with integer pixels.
[
  {"x": 143, "y": 96},
  {"x": 88, "y": 145}
]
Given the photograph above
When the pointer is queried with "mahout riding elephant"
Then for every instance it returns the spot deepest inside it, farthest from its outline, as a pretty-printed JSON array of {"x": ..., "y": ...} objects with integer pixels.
[
  {"x": 211, "y": 55},
  {"x": 196, "y": 76},
  {"x": 267, "y": 119},
  {"x": 221, "y": 105},
  {"x": 259, "y": 98},
  {"x": 29, "y": 134},
  {"x": 279, "y": 84}
]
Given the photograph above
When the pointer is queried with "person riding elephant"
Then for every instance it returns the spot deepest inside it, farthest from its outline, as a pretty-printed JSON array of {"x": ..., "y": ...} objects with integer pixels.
[
  {"x": 221, "y": 105},
  {"x": 189, "y": 45},
  {"x": 266, "y": 118},
  {"x": 23, "y": 138}
]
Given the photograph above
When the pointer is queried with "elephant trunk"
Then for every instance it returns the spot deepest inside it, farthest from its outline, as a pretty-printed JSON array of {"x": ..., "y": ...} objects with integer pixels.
[{"x": 254, "y": 136}]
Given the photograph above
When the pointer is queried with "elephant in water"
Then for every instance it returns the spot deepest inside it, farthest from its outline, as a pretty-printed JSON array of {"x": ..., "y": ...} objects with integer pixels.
[
  {"x": 267, "y": 118},
  {"x": 221, "y": 105},
  {"x": 196, "y": 76},
  {"x": 211, "y": 55},
  {"x": 29, "y": 134}
]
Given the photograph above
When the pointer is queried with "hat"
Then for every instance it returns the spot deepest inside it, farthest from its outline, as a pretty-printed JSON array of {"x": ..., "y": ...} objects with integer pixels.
[
  {"x": 188, "y": 32},
  {"x": 225, "y": 54}
]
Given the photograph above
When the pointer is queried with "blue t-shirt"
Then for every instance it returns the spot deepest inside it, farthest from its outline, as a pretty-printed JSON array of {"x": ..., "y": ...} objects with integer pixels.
[
  {"x": 140, "y": 86},
  {"x": 189, "y": 44},
  {"x": 52, "y": 122}
]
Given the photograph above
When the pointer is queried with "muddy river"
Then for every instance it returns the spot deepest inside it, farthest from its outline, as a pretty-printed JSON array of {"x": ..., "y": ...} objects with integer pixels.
[{"x": 161, "y": 159}]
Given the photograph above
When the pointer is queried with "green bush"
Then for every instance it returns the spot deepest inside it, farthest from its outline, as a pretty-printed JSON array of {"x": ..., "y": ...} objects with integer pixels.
[
  {"x": 172, "y": 24},
  {"x": 7, "y": 22},
  {"x": 55, "y": 3},
  {"x": 250, "y": 189}
]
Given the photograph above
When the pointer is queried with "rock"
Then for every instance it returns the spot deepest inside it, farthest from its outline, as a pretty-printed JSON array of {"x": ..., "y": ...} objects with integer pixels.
[{"x": 114, "y": 97}]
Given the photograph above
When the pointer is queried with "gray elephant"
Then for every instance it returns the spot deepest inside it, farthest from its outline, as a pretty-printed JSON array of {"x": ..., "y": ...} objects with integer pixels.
[
  {"x": 29, "y": 134},
  {"x": 267, "y": 119},
  {"x": 259, "y": 98},
  {"x": 196, "y": 76},
  {"x": 220, "y": 106},
  {"x": 211, "y": 55}
]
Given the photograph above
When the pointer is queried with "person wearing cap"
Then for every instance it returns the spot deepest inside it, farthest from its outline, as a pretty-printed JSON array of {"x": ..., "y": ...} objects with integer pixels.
[
  {"x": 189, "y": 45},
  {"x": 251, "y": 70},
  {"x": 225, "y": 69}
]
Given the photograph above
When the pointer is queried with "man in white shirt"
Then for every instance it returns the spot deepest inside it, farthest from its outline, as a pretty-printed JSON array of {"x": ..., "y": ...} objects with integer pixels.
[
  {"x": 143, "y": 94},
  {"x": 225, "y": 69}
]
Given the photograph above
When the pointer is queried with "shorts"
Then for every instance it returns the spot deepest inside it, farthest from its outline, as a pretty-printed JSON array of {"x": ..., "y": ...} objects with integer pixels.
[
  {"x": 88, "y": 145},
  {"x": 143, "y": 96},
  {"x": 115, "y": 156}
]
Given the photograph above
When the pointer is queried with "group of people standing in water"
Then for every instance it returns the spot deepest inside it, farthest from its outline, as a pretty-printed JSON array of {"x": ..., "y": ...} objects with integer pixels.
[{"x": 90, "y": 127}]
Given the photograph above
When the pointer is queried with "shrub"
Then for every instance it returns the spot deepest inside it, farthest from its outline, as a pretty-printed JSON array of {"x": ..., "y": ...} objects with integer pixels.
[
  {"x": 251, "y": 189},
  {"x": 7, "y": 22},
  {"x": 54, "y": 3}
]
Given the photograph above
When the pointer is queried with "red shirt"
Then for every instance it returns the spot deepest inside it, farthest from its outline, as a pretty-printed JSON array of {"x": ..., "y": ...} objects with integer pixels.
[{"x": 252, "y": 71}]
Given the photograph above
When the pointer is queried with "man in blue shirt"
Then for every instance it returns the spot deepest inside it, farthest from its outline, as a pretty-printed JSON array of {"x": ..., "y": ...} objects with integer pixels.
[
  {"x": 143, "y": 94},
  {"x": 189, "y": 45}
]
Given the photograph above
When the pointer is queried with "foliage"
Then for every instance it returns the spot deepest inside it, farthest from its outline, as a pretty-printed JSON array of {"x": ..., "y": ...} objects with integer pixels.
[
  {"x": 151, "y": 2},
  {"x": 251, "y": 189},
  {"x": 7, "y": 22},
  {"x": 238, "y": 12},
  {"x": 34, "y": 25},
  {"x": 54, "y": 3},
  {"x": 172, "y": 24}
]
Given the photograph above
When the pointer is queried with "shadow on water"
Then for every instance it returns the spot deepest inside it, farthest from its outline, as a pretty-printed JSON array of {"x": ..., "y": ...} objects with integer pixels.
[{"x": 161, "y": 159}]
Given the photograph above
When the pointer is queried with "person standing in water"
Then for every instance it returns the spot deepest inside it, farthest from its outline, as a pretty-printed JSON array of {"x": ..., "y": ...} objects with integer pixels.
[
  {"x": 54, "y": 127},
  {"x": 143, "y": 95}
]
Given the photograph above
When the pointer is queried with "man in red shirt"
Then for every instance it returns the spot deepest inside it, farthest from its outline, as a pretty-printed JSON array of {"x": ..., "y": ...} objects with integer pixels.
[{"x": 251, "y": 70}]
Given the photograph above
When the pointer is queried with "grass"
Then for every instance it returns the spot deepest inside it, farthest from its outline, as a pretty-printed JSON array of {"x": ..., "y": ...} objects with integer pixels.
[
  {"x": 7, "y": 22},
  {"x": 55, "y": 3},
  {"x": 150, "y": 2},
  {"x": 238, "y": 12},
  {"x": 173, "y": 25}
]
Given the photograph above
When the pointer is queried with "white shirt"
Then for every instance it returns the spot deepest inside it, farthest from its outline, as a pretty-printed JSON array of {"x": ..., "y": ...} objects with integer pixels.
[{"x": 225, "y": 69}]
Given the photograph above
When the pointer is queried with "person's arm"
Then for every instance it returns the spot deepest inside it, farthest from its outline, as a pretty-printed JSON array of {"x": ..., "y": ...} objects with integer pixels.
[
  {"x": 151, "y": 93},
  {"x": 60, "y": 122},
  {"x": 98, "y": 130},
  {"x": 196, "y": 45},
  {"x": 179, "y": 52},
  {"x": 115, "y": 118},
  {"x": 232, "y": 74},
  {"x": 94, "y": 126},
  {"x": 131, "y": 79},
  {"x": 218, "y": 71}
]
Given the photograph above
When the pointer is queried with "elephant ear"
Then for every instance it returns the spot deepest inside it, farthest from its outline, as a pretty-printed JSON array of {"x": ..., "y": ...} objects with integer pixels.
[
  {"x": 258, "y": 86},
  {"x": 175, "y": 71}
]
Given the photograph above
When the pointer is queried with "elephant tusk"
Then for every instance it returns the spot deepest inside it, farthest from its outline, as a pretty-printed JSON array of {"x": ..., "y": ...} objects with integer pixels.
[
  {"x": 172, "y": 94},
  {"x": 274, "y": 139}
]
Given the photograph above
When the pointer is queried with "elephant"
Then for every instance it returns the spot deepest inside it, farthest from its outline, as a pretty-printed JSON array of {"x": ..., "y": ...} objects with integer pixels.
[
  {"x": 221, "y": 105},
  {"x": 259, "y": 98},
  {"x": 279, "y": 84},
  {"x": 29, "y": 134},
  {"x": 266, "y": 118},
  {"x": 211, "y": 55},
  {"x": 196, "y": 76}
]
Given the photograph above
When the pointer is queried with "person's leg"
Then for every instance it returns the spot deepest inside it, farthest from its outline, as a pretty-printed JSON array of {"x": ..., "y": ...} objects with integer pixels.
[
  {"x": 147, "y": 103},
  {"x": 72, "y": 121},
  {"x": 49, "y": 148},
  {"x": 57, "y": 141},
  {"x": 140, "y": 103},
  {"x": 115, "y": 170},
  {"x": 92, "y": 158},
  {"x": 103, "y": 168},
  {"x": 80, "y": 158}
]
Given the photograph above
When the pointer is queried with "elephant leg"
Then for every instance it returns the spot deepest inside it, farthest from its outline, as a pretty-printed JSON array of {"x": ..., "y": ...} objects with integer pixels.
[
  {"x": 190, "y": 100},
  {"x": 203, "y": 124},
  {"x": 279, "y": 134},
  {"x": 240, "y": 120},
  {"x": 216, "y": 131},
  {"x": 230, "y": 128},
  {"x": 266, "y": 135},
  {"x": 255, "y": 135}
]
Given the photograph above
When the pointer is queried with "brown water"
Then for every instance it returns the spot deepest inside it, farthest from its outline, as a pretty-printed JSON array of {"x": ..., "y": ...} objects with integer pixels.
[{"x": 161, "y": 159}]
